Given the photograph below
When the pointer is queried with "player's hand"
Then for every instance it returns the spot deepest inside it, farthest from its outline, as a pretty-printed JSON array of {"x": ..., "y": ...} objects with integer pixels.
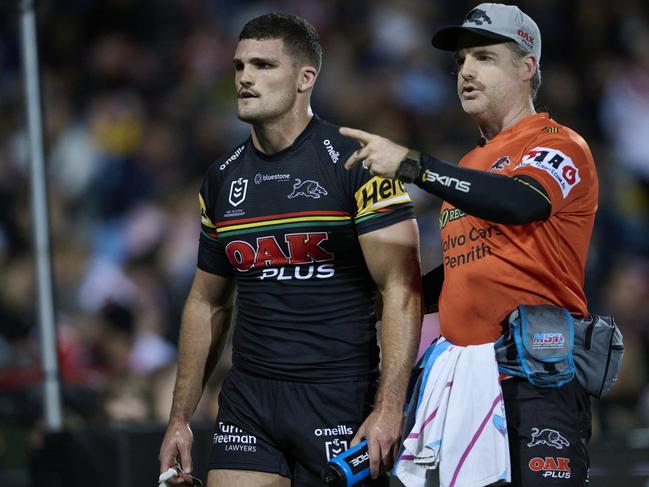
[
  {"x": 177, "y": 445},
  {"x": 380, "y": 156},
  {"x": 382, "y": 429}
]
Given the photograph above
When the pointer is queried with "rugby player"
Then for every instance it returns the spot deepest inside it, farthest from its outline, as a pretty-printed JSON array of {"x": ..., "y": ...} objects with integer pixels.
[
  {"x": 308, "y": 245},
  {"x": 516, "y": 223}
]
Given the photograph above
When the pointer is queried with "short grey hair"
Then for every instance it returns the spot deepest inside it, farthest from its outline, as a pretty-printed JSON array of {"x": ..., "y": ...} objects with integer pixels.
[{"x": 518, "y": 54}]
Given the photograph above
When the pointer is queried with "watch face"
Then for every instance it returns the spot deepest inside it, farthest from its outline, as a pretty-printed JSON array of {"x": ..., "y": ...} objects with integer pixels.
[{"x": 408, "y": 170}]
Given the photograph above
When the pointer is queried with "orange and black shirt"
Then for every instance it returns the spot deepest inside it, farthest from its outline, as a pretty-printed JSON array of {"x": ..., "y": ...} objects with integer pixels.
[{"x": 491, "y": 268}]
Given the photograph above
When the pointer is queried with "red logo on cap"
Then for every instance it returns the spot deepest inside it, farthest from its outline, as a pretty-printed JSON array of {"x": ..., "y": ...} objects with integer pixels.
[{"x": 528, "y": 38}]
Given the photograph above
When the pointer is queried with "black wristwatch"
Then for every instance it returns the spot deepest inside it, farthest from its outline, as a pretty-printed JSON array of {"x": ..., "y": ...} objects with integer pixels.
[{"x": 410, "y": 167}]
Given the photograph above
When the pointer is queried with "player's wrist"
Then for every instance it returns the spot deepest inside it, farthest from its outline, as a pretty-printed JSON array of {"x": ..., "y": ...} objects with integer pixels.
[
  {"x": 179, "y": 420},
  {"x": 410, "y": 167}
]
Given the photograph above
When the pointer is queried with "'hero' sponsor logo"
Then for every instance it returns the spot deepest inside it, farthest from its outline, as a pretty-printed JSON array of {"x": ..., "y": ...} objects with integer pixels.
[
  {"x": 303, "y": 248},
  {"x": 449, "y": 182},
  {"x": 332, "y": 152},
  {"x": 232, "y": 158},
  {"x": 378, "y": 193},
  {"x": 555, "y": 163},
  {"x": 556, "y": 468}
]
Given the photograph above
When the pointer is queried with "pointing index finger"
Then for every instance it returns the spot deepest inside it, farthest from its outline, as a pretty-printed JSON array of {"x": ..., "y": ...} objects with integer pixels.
[{"x": 359, "y": 135}]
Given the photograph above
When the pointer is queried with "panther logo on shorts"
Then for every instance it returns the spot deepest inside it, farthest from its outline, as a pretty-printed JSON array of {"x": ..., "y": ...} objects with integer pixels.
[{"x": 548, "y": 437}]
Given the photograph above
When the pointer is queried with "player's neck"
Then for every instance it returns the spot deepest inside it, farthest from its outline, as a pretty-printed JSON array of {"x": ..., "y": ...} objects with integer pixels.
[
  {"x": 490, "y": 126},
  {"x": 276, "y": 135}
]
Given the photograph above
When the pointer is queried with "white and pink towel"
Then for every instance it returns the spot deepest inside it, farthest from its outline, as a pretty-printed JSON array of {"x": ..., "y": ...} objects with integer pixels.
[{"x": 460, "y": 424}]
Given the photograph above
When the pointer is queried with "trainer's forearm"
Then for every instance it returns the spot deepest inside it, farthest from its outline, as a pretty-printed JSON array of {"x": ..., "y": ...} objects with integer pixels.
[
  {"x": 487, "y": 195},
  {"x": 203, "y": 335},
  {"x": 400, "y": 335}
]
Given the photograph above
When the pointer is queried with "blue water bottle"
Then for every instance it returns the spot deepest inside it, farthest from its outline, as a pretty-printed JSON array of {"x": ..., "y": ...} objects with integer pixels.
[{"x": 348, "y": 468}]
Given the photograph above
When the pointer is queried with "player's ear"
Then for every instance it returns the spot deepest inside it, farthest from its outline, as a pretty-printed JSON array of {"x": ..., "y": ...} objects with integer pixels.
[{"x": 306, "y": 78}]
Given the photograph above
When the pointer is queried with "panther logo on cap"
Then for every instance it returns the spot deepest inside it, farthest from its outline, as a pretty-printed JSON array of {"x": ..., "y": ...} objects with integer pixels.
[{"x": 477, "y": 16}]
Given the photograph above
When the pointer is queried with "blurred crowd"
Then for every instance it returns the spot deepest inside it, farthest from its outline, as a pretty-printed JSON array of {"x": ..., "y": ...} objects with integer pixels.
[{"x": 138, "y": 100}]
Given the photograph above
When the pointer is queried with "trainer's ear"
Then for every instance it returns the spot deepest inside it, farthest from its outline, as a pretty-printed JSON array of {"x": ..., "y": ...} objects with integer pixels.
[
  {"x": 306, "y": 78},
  {"x": 528, "y": 67}
]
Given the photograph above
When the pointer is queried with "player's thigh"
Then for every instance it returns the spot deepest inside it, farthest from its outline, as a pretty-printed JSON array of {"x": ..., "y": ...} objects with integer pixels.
[
  {"x": 321, "y": 420},
  {"x": 245, "y": 478}
]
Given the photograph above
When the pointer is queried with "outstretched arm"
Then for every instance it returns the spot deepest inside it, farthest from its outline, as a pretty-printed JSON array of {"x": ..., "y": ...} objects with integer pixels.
[
  {"x": 203, "y": 333},
  {"x": 494, "y": 197},
  {"x": 392, "y": 256}
]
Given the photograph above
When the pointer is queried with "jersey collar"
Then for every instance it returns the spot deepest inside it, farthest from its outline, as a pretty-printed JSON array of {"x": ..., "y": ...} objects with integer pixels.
[
  {"x": 522, "y": 124},
  {"x": 299, "y": 140}
]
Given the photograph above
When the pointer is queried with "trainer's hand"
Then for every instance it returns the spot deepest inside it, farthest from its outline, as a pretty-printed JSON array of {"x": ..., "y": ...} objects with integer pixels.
[
  {"x": 382, "y": 429},
  {"x": 380, "y": 156},
  {"x": 177, "y": 444}
]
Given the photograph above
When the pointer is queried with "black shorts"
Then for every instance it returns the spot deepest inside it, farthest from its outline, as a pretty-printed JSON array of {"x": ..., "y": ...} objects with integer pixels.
[
  {"x": 288, "y": 428},
  {"x": 548, "y": 431}
]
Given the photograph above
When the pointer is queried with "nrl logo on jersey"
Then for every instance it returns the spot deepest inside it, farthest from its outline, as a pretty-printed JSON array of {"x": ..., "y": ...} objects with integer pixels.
[{"x": 238, "y": 190}]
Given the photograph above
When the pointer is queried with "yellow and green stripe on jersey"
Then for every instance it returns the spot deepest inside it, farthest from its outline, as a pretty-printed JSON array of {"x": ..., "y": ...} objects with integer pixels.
[
  {"x": 280, "y": 221},
  {"x": 373, "y": 199}
]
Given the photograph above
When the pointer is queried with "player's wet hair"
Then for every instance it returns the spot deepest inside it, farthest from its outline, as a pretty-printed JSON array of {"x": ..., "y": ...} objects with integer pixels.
[{"x": 299, "y": 36}]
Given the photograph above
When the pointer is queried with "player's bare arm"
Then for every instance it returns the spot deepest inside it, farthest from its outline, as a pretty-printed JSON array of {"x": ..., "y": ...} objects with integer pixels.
[
  {"x": 392, "y": 256},
  {"x": 203, "y": 333}
]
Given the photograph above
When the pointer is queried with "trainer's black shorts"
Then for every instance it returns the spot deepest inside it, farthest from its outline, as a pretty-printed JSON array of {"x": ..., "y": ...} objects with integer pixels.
[
  {"x": 288, "y": 428},
  {"x": 548, "y": 431}
]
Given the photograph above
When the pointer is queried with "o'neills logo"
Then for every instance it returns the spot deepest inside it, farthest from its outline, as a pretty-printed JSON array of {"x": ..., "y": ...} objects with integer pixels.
[
  {"x": 233, "y": 157},
  {"x": 341, "y": 429},
  {"x": 330, "y": 149}
]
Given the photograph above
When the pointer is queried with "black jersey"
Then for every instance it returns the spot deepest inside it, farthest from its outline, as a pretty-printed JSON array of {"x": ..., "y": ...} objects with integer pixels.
[{"x": 286, "y": 227}]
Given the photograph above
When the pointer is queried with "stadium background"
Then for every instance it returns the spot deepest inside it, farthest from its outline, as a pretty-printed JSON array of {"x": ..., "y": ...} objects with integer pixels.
[{"x": 138, "y": 100}]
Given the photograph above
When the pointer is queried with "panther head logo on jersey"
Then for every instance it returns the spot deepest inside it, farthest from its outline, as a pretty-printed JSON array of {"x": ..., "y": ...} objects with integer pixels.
[{"x": 308, "y": 188}]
